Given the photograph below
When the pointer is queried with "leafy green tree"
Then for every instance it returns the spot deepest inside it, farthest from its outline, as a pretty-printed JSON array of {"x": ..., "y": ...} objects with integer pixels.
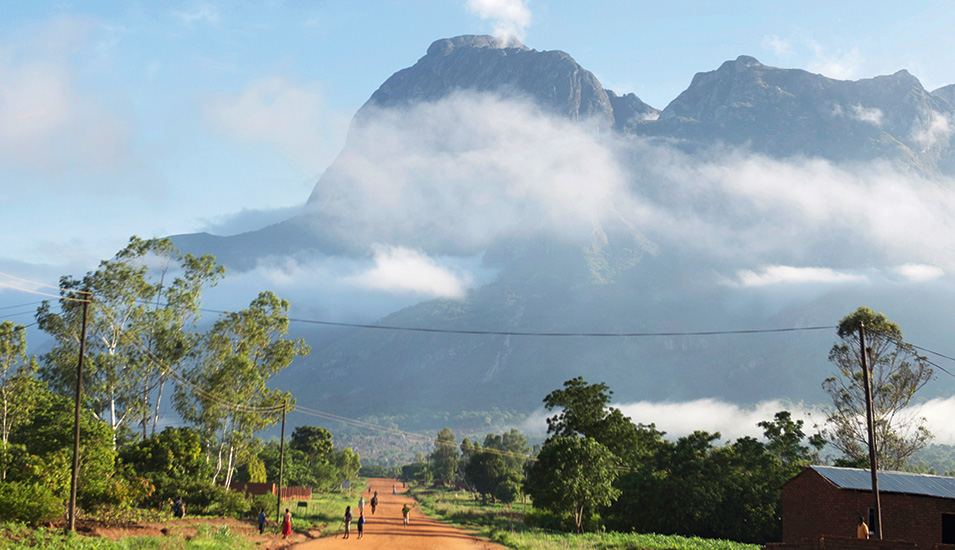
[
  {"x": 348, "y": 463},
  {"x": 44, "y": 453},
  {"x": 573, "y": 474},
  {"x": 513, "y": 447},
  {"x": 315, "y": 442},
  {"x": 18, "y": 387},
  {"x": 897, "y": 373},
  {"x": 228, "y": 397},
  {"x": 172, "y": 461},
  {"x": 584, "y": 409},
  {"x": 444, "y": 458}
]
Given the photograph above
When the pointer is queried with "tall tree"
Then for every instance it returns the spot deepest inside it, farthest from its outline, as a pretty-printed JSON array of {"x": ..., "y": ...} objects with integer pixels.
[
  {"x": 138, "y": 319},
  {"x": 897, "y": 373},
  {"x": 315, "y": 442},
  {"x": 444, "y": 458},
  {"x": 584, "y": 409},
  {"x": 573, "y": 474},
  {"x": 228, "y": 397}
]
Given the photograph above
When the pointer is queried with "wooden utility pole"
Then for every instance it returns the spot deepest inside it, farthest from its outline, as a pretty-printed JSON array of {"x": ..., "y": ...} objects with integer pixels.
[
  {"x": 870, "y": 424},
  {"x": 278, "y": 504},
  {"x": 76, "y": 423}
]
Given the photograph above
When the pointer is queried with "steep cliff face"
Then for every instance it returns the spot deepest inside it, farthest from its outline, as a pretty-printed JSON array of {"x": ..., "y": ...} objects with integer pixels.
[
  {"x": 551, "y": 79},
  {"x": 788, "y": 112}
]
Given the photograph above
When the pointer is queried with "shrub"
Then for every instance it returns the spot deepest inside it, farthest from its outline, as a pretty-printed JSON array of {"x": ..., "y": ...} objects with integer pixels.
[{"x": 31, "y": 503}]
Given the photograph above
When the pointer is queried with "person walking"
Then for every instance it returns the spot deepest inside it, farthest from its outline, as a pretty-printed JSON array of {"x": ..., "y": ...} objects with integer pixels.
[
  {"x": 286, "y": 524},
  {"x": 347, "y": 520},
  {"x": 374, "y": 503},
  {"x": 262, "y": 521},
  {"x": 406, "y": 513},
  {"x": 361, "y": 505},
  {"x": 361, "y": 525}
]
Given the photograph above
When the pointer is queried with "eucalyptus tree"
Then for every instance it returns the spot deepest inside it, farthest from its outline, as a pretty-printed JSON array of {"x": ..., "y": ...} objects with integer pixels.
[
  {"x": 897, "y": 373},
  {"x": 227, "y": 394},
  {"x": 17, "y": 385},
  {"x": 137, "y": 325}
]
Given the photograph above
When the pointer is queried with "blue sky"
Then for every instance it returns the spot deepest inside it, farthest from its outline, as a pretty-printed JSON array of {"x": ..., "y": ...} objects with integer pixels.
[{"x": 156, "y": 118}]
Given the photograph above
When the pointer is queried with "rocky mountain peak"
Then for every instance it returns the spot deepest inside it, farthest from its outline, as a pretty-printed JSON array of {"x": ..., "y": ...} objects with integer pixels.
[
  {"x": 552, "y": 79},
  {"x": 446, "y": 46}
]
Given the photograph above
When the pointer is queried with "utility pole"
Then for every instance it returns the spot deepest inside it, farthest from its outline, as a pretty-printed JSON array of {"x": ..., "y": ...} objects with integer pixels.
[
  {"x": 278, "y": 504},
  {"x": 76, "y": 422},
  {"x": 870, "y": 424}
]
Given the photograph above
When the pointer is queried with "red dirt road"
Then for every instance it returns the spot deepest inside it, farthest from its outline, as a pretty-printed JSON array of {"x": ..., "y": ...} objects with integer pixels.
[{"x": 385, "y": 530}]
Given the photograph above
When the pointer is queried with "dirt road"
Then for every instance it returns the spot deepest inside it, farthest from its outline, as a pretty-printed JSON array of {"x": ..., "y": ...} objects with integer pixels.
[{"x": 385, "y": 529}]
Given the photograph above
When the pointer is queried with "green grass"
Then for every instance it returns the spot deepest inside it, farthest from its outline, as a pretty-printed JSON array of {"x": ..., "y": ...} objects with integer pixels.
[
  {"x": 504, "y": 525},
  {"x": 15, "y": 536}
]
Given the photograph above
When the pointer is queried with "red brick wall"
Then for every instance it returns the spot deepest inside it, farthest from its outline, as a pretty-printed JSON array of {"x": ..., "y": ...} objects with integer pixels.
[{"x": 813, "y": 508}]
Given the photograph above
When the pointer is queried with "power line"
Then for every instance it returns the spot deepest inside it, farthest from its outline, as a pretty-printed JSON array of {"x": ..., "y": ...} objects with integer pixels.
[
  {"x": 21, "y": 305},
  {"x": 547, "y": 334}
]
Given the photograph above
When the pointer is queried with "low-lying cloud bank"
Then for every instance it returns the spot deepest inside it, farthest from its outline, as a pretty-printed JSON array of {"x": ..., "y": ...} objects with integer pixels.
[{"x": 733, "y": 421}]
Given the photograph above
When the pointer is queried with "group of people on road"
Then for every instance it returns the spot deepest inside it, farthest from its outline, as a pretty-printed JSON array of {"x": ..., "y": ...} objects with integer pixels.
[
  {"x": 346, "y": 520},
  {"x": 360, "y": 524}
]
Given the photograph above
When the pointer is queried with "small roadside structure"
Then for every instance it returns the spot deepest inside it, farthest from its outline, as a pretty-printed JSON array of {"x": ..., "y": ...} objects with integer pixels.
[{"x": 826, "y": 502}]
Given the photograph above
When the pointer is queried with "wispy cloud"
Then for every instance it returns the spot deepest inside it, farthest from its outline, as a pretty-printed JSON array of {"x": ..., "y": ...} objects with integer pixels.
[
  {"x": 49, "y": 124},
  {"x": 199, "y": 13},
  {"x": 920, "y": 272},
  {"x": 870, "y": 115},
  {"x": 401, "y": 270},
  {"x": 784, "y": 274},
  {"x": 777, "y": 45},
  {"x": 510, "y": 17},
  {"x": 279, "y": 113}
]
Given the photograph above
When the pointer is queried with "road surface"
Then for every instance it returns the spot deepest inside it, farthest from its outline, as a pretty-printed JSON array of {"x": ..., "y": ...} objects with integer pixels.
[{"x": 384, "y": 530}]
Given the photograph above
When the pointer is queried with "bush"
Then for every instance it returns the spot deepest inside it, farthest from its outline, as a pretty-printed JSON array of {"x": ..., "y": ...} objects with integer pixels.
[{"x": 31, "y": 503}]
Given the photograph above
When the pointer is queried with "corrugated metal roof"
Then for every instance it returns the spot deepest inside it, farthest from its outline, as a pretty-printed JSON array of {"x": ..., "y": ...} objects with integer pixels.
[{"x": 889, "y": 482}]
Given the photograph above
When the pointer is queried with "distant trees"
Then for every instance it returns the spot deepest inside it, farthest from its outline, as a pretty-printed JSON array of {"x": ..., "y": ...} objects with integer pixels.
[{"x": 897, "y": 373}]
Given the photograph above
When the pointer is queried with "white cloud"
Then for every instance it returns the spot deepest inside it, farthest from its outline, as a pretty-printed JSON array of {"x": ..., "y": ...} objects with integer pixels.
[
  {"x": 733, "y": 421},
  {"x": 938, "y": 414},
  {"x": 199, "y": 13},
  {"x": 870, "y": 115},
  {"x": 777, "y": 45},
  {"x": 511, "y": 17},
  {"x": 841, "y": 66},
  {"x": 784, "y": 274},
  {"x": 276, "y": 112},
  {"x": 465, "y": 171},
  {"x": 918, "y": 273},
  {"x": 936, "y": 130},
  {"x": 401, "y": 270},
  {"x": 49, "y": 125}
]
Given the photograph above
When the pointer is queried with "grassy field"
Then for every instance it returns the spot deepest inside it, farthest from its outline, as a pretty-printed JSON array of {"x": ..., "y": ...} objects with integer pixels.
[
  {"x": 14, "y": 536},
  {"x": 505, "y": 525}
]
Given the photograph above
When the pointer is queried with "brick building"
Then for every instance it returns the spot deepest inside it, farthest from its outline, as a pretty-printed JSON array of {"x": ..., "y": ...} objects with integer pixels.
[{"x": 824, "y": 501}]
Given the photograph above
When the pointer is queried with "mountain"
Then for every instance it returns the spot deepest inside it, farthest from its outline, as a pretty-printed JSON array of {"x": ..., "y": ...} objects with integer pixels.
[
  {"x": 790, "y": 112},
  {"x": 664, "y": 265}
]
